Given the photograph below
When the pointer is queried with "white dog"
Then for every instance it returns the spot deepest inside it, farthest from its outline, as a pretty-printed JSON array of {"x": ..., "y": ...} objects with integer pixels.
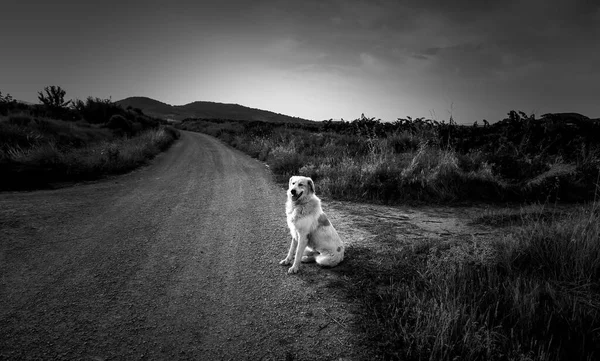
[{"x": 313, "y": 236}]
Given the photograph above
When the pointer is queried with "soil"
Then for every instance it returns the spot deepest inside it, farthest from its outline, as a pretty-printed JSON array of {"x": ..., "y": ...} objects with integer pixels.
[{"x": 179, "y": 260}]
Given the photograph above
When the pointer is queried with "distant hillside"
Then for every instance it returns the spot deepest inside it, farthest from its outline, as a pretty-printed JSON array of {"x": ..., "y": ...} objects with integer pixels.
[
  {"x": 570, "y": 118},
  {"x": 200, "y": 109}
]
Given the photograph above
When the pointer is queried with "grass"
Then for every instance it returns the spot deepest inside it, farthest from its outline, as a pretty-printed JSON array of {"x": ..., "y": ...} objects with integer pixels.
[
  {"x": 37, "y": 152},
  {"x": 369, "y": 161},
  {"x": 392, "y": 170},
  {"x": 533, "y": 294}
]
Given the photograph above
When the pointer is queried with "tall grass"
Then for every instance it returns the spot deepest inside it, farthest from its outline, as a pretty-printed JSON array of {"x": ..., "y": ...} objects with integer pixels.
[
  {"x": 533, "y": 295},
  {"x": 36, "y": 152},
  {"x": 22, "y": 131},
  {"x": 425, "y": 161},
  {"x": 115, "y": 156},
  {"x": 393, "y": 169}
]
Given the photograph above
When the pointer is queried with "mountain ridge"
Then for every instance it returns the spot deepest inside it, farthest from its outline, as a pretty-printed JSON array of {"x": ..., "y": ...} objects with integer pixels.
[{"x": 204, "y": 109}]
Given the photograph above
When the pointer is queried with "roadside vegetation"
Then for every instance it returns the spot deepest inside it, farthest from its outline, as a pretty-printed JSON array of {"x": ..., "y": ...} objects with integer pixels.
[
  {"x": 64, "y": 141},
  {"x": 556, "y": 157},
  {"x": 530, "y": 292}
]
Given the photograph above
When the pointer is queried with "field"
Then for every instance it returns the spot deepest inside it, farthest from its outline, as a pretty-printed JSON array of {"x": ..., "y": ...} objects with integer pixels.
[
  {"x": 44, "y": 146},
  {"x": 526, "y": 290},
  {"x": 517, "y": 159},
  {"x": 514, "y": 277}
]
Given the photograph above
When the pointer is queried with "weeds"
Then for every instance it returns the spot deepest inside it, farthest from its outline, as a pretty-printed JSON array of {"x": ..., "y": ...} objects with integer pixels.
[
  {"x": 533, "y": 294},
  {"x": 36, "y": 152},
  {"x": 395, "y": 169},
  {"x": 64, "y": 141},
  {"x": 424, "y": 161}
]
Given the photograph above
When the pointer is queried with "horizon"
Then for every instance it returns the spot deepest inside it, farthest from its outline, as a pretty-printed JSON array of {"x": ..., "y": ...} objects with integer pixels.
[
  {"x": 315, "y": 60},
  {"x": 342, "y": 119}
]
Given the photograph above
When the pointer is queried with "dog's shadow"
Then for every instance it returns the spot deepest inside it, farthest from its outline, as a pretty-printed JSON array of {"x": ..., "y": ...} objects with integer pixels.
[{"x": 356, "y": 267}]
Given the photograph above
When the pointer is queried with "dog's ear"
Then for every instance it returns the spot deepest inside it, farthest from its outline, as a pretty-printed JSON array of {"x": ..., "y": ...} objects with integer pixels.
[{"x": 311, "y": 185}]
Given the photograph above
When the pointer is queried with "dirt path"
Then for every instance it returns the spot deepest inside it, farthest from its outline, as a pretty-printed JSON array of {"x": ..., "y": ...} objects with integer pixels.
[{"x": 177, "y": 260}]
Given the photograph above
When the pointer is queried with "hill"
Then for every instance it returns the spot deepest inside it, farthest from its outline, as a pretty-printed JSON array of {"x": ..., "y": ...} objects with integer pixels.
[{"x": 205, "y": 110}]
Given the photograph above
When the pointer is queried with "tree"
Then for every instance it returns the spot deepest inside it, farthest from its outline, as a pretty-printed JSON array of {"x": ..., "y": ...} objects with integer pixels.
[
  {"x": 7, "y": 102},
  {"x": 6, "y": 98},
  {"x": 54, "y": 98},
  {"x": 96, "y": 110}
]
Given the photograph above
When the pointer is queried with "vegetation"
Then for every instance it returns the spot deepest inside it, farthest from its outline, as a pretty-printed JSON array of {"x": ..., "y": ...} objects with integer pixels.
[
  {"x": 519, "y": 158},
  {"x": 64, "y": 141},
  {"x": 532, "y": 294},
  {"x": 54, "y": 97}
]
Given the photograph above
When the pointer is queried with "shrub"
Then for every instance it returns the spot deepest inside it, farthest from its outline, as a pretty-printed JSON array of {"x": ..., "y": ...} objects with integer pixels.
[
  {"x": 284, "y": 160},
  {"x": 96, "y": 110},
  {"x": 532, "y": 294},
  {"x": 172, "y": 132},
  {"x": 45, "y": 163},
  {"x": 54, "y": 97},
  {"x": 403, "y": 142},
  {"x": 424, "y": 160},
  {"x": 19, "y": 120},
  {"x": 120, "y": 125}
]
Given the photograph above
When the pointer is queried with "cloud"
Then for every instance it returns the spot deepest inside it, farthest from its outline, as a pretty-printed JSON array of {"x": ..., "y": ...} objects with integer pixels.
[
  {"x": 289, "y": 53},
  {"x": 370, "y": 62},
  {"x": 420, "y": 56},
  {"x": 282, "y": 46},
  {"x": 431, "y": 51},
  {"x": 472, "y": 60}
]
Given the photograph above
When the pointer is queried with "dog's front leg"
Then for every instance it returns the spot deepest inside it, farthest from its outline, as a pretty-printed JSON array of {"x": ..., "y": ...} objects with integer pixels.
[
  {"x": 302, "y": 242},
  {"x": 287, "y": 260}
]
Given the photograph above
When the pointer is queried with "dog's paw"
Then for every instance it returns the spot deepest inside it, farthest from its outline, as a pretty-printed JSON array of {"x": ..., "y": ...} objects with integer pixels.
[
  {"x": 293, "y": 270},
  {"x": 285, "y": 262}
]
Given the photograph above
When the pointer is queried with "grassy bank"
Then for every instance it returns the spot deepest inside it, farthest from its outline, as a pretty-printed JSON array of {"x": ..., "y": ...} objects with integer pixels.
[
  {"x": 420, "y": 161},
  {"x": 532, "y": 295},
  {"x": 37, "y": 150}
]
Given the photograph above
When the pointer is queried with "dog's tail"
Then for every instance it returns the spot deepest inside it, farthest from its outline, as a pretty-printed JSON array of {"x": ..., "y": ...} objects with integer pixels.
[{"x": 331, "y": 258}]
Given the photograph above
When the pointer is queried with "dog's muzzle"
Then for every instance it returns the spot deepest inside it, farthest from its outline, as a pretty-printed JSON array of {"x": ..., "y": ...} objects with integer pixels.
[{"x": 295, "y": 195}]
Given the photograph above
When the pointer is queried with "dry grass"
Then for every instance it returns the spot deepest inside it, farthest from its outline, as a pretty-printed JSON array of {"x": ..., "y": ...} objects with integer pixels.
[
  {"x": 420, "y": 161},
  {"x": 37, "y": 153},
  {"x": 530, "y": 295}
]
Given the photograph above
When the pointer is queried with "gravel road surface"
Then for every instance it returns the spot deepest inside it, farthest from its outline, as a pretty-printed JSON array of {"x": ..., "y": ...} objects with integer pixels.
[{"x": 177, "y": 260}]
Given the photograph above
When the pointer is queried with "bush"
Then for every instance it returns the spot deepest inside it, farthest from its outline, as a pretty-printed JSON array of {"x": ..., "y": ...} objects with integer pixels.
[
  {"x": 19, "y": 120},
  {"x": 422, "y": 160},
  {"x": 120, "y": 125},
  {"x": 403, "y": 142},
  {"x": 533, "y": 294},
  {"x": 285, "y": 161},
  {"x": 96, "y": 110},
  {"x": 45, "y": 163}
]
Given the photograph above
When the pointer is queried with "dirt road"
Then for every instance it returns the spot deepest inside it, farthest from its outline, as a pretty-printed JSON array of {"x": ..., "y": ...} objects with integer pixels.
[{"x": 177, "y": 260}]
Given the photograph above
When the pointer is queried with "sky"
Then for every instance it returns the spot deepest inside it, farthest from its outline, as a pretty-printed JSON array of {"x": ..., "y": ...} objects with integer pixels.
[{"x": 471, "y": 60}]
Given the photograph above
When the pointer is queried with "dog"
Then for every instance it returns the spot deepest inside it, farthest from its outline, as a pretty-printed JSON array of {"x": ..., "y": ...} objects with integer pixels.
[{"x": 313, "y": 236}]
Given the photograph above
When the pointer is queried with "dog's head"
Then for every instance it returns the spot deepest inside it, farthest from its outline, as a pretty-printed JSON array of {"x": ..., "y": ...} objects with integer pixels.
[{"x": 300, "y": 187}]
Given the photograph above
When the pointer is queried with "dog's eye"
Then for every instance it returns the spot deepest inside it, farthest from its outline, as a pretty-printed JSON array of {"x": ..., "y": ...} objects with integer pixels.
[{"x": 299, "y": 184}]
